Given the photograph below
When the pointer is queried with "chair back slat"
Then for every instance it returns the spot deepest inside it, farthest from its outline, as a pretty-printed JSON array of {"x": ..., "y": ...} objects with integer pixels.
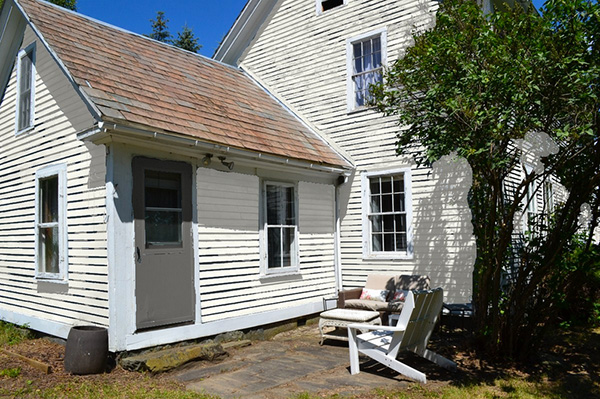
[{"x": 421, "y": 319}]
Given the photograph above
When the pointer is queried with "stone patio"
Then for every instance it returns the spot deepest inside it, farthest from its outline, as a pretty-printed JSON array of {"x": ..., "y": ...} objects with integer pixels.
[{"x": 292, "y": 363}]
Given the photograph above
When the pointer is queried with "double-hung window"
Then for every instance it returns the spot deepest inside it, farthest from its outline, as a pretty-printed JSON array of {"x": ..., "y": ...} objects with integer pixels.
[
  {"x": 387, "y": 214},
  {"x": 50, "y": 223},
  {"x": 280, "y": 228},
  {"x": 366, "y": 56},
  {"x": 25, "y": 89}
]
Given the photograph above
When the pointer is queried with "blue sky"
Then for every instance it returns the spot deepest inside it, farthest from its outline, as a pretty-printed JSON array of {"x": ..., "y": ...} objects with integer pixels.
[{"x": 210, "y": 20}]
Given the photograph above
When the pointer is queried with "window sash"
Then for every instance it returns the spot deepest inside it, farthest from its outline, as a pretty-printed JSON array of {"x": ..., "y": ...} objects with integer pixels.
[
  {"x": 387, "y": 214},
  {"x": 25, "y": 95},
  {"x": 280, "y": 227},
  {"x": 51, "y": 241},
  {"x": 365, "y": 59}
]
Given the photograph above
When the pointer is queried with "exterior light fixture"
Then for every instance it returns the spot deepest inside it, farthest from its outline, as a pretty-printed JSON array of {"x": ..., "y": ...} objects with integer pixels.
[
  {"x": 228, "y": 165},
  {"x": 207, "y": 159}
]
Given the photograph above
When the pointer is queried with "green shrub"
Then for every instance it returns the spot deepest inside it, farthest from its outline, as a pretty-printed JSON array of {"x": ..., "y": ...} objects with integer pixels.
[{"x": 11, "y": 334}]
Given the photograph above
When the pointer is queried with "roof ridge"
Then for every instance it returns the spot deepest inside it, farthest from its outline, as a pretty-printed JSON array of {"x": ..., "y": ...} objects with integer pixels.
[{"x": 126, "y": 31}]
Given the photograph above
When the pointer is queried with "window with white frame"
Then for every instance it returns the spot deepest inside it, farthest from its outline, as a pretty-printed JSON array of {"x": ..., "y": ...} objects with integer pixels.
[
  {"x": 25, "y": 89},
  {"x": 387, "y": 214},
  {"x": 326, "y": 5},
  {"x": 280, "y": 228},
  {"x": 50, "y": 221},
  {"x": 366, "y": 56}
]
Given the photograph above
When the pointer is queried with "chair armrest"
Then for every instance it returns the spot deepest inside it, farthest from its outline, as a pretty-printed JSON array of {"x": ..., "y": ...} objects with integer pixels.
[
  {"x": 374, "y": 327},
  {"x": 353, "y": 293}
]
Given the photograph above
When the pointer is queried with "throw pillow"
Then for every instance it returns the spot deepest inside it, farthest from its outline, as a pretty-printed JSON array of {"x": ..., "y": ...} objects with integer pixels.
[
  {"x": 399, "y": 296},
  {"x": 374, "y": 295}
]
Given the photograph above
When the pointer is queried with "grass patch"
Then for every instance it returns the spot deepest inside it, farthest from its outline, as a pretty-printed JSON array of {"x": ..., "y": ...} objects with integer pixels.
[
  {"x": 11, "y": 334},
  {"x": 12, "y": 373}
]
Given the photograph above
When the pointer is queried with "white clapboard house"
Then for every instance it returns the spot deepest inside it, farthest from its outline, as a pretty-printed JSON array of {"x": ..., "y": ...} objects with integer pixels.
[
  {"x": 318, "y": 58},
  {"x": 155, "y": 192}
]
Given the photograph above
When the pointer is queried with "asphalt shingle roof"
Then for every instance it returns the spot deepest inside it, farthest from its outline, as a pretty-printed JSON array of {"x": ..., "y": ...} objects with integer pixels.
[{"x": 135, "y": 80}]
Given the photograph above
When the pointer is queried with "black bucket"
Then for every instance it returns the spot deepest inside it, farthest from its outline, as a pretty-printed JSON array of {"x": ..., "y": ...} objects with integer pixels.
[{"x": 87, "y": 350}]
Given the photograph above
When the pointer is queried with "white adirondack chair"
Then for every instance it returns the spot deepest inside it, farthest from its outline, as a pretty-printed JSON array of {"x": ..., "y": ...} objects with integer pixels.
[{"x": 412, "y": 333}]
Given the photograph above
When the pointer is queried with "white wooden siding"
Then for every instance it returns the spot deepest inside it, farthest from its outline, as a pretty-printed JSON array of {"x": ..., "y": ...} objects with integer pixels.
[
  {"x": 231, "y": 284},
  {"x": 301, "y": 58},
  {"x": 59, "y": 114}
]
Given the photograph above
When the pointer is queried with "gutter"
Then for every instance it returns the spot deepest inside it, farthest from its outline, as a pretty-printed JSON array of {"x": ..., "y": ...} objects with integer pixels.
[{"x": 104, "y": 129}]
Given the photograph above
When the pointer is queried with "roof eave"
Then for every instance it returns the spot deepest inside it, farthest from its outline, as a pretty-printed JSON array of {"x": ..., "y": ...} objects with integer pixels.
[{"x": 101, "y": 134}]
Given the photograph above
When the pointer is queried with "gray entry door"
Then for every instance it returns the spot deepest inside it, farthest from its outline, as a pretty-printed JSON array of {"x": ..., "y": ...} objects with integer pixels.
[{"x": 164, "y": 267}]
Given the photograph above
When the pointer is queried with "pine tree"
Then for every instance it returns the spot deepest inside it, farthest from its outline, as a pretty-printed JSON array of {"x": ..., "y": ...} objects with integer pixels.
[
  {"x": 160, "y": 29},
  {"x": 68, "y": 4},
  {"x": 187, "y": 41}
]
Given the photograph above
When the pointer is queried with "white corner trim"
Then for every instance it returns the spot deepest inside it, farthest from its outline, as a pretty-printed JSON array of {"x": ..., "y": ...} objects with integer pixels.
[
  {"x": 382, "y": 32},
  {"x": 366, "y": 226}
]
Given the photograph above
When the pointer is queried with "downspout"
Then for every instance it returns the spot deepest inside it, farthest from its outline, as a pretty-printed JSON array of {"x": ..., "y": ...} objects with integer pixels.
[{"x": 342, "y": 179}]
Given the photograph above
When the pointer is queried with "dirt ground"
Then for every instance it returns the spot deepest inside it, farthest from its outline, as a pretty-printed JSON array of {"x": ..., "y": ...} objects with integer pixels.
[{"x": 572, "y": 360}]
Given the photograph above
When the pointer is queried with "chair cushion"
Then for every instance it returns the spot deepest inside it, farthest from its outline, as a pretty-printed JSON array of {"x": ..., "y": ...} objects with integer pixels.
[
  {"x": 381, "y": 282},
  {"x": 399, "y": 296},
  {"x": 366, "y": 304}
]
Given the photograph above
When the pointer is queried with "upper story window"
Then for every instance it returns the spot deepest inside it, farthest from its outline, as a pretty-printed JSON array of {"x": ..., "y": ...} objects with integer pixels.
[
  {"x": 387, "y": 214},
  {"x": 326, "y": 5},
  {"x": 280, "y": 228},
  {"x": 51, "y": 226},
  {"x": 366, "y": 56},
  {"x": 25, "y": 88}
]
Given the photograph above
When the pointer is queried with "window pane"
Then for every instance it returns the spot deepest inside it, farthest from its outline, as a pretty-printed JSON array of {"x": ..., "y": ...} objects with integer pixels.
[
  {"x": 163, "y": 213},
  {"x": 386, "y": 203},
  {"x": 290, "y": 211},
  {"x": 398, "y": 184},
  {"x": 386, "y": 184},
  {"x": 398, "y": 202},
  {"x": 357, "y": 50},
  {"x": 163, "y": 227},
  {"x": 375, "y": 204},
  {"x": 49, "y": 199},
  {"x": 288, "y": 240},
  {"x": 376, "y": 223},
  {"x": 163, "y": 190},
  {"x": 401, "y": 242},
  {"x": 274, "y": 246},
  {"x": 374, "y": 185},
  {"x": 367, "y": 55},
  {"x": 377, "y": 242},
  {"x": 388, "y": 223},
  {"x": 26, "y": 72},
  {"x": 388, "y": 243},
  {"x": 48, "y": 250}
]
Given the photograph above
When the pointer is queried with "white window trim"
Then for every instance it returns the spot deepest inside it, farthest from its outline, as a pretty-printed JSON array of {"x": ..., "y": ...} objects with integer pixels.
[
  {"x": 319, "y": 7},
  {"x": 59, "y": 170},
  {"x": 529, "y": 207},
  {"x": 264, "y": 253},
  {"x": 382, "y": 33},
  {"x": 366, "y": 226},
  {"x": 29, "y": 49}
]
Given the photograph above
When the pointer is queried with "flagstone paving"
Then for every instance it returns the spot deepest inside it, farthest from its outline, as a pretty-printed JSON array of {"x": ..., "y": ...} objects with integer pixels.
[{"x": 289, "y": 364}]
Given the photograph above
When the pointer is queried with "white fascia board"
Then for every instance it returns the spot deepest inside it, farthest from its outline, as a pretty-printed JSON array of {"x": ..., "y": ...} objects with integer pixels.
[
  {"x": 106, "y": 132},
  {"x": 86, "y": 100},
  {"x": 244, "y": 30},
  {"x": 12, "y": 28}
]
